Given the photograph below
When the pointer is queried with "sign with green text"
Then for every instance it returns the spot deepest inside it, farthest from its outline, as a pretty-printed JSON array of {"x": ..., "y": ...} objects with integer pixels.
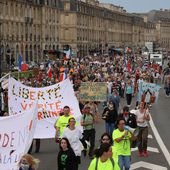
[{"x": 93, "y": 91}]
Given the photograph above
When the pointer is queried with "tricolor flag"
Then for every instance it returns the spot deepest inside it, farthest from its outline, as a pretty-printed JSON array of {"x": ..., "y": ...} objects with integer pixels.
[
  {"x": 21, "y": 66},
  {"x": 63, "y": 75},
  {"x": 68, "y": 53}
]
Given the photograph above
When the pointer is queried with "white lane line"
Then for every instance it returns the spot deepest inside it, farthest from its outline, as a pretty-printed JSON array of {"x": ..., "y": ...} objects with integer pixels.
[
  {"x": 147, "y": 165},
  {"x": 160, "y": 142},
  {"x": 150, "y": 136},
  {"x": 148, "y": 148}
]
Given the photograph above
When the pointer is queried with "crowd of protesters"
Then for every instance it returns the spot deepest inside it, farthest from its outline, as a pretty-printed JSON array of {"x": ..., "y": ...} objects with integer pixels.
[{"x": 123, "y": 74}]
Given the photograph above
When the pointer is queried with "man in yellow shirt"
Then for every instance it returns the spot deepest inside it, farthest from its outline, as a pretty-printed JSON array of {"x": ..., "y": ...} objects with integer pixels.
[
  {"x": 62, "y": 122},
  {"x": 122, "y": 146}
]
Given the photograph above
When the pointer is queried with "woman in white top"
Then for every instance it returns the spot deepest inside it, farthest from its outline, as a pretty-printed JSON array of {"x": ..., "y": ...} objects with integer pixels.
[
  {"x": 142, "y": 119},
  {"x": 74, "y": 134}
]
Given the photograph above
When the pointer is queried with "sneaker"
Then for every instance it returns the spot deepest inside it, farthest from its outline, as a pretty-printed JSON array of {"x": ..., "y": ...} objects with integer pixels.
[
  {"x": 145, "y": 154},
  {"x": 140, "y": 154}
]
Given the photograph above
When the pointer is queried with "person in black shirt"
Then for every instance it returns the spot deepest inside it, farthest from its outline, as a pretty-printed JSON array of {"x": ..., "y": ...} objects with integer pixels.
[
  {"x": 66, "y": 156},
  {"x": 130, "y": 118},
  {"x": 110, "y": 116}
]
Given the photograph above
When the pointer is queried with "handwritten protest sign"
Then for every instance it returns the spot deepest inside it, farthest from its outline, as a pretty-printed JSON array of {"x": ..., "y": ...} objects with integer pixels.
[
  {"x": 93, "y": 91},
  {"x": 149, "y": 92},
  {"x": 16, "y": 135},
  {"x": 51, "y": 101}
]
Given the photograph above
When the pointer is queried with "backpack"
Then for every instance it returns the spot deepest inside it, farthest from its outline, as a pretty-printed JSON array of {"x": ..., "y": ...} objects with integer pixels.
[
  {"x": 97, "y": 160},
  {"x": 84, "y": 116}
]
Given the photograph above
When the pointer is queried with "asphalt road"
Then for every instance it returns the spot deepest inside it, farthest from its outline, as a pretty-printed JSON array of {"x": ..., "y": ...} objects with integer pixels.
[{"x": 156, "y": 160}]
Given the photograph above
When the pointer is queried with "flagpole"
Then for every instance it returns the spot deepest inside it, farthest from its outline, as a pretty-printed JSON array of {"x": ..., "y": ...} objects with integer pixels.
[
  {"x": 19, "y": 65},
  {"x": 18, "y": 76}
]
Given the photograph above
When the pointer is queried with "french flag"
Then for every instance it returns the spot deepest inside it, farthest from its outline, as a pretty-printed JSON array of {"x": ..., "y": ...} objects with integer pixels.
[
  {"x": 68, "y": 54},
  {"x": 21, "y": 66},
  {"x": 49, "y": 71},
  {"x": 63, "y": 75}
]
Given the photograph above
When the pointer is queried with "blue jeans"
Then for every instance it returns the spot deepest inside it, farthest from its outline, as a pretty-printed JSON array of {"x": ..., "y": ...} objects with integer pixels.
[
  {"x": 109, "y": 128},
  {"x": 124, "y": 161}
]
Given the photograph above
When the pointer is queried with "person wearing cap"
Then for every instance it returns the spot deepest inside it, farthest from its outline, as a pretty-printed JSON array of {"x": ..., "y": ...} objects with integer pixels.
[{"x": 87, "y": 121}]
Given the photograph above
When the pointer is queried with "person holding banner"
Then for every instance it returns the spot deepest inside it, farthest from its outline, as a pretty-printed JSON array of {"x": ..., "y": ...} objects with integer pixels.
[
  {"x": 142, "y": 118},
  {"x": 62, "y": 122},
  {"x": 28, "y": 162},
  {"x": 74, "y": 135},
  {"x": 122, "y": 144},
  {"x": 87, "y": 121}
]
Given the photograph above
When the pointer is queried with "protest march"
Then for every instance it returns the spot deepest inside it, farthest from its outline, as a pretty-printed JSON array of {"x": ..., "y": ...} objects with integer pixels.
[{"x": 62, "y": 101}]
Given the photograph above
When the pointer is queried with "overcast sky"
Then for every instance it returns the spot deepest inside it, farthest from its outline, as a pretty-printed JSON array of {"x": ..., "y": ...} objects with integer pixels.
[{"x": 140, "y": 5}]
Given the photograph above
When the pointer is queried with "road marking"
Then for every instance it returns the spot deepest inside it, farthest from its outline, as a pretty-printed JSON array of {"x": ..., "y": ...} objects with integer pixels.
[
  {"x": 147, "y": 165},
  {"x": 159, "y": 140},
  {"x": 150, "y": 136},
  {"x": 148, "y": 148}
]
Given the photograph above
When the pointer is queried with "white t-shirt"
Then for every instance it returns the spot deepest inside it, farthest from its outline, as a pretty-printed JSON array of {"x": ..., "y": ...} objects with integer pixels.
[
  {"x": 140, "y": 117},
  {"x": 73, "y": 136},
  {"x": 109, "y": 86}
]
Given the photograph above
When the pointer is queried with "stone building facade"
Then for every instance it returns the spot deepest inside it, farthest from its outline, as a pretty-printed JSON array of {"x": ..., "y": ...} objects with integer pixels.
[{"x": 31, "y": 26}]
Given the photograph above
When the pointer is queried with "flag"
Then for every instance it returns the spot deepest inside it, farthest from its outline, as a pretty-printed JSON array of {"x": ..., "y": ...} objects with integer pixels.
[
  {"x": 20, "y": 62},
  {"x": 68, "y": 54},
  {"x": 63, "y": 75},
  {"x": 24, "y": 67},
  {"x": 128, "y": 66},
  {"x": 49, "y": 71}
]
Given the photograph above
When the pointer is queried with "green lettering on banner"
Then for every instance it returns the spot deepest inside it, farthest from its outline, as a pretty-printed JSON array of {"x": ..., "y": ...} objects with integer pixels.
[{"x": 93, "y": 91}]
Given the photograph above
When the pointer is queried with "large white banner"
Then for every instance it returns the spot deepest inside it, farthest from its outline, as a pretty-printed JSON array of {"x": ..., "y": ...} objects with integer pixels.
[
  {"x": 51, "y": 101},
  {"x": 16, "y": 135}
]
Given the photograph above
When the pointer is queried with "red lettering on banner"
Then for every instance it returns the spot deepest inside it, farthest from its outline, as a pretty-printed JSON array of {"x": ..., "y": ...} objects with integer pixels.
[
  {"x": 40, "y": 106},
  {"x": 32, "y": 95},
  {"x": 51, "y": 105},
  {"x": 55, "y": 114},
  {"x": 40, "y": 116},
  {"x": 57, "y": 104},
  {"x": 24, "y": 106},
  {"x": 5, "y": 141},
  {"x": 30, "y": 105}
]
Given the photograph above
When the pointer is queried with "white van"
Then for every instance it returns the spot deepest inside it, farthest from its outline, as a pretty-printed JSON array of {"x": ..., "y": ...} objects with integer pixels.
[{"x": 156, "y": 58}]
